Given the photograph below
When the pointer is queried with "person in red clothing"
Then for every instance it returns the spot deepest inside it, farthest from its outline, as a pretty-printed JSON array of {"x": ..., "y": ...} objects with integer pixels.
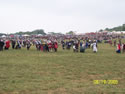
[
  {"x": 7, "y": 45},
  {"x": 118, "y": 48},
  {"x": 55, "y": 46},
  {"x": 41, "y": 47},
  {"x": 50, "y": 45}
]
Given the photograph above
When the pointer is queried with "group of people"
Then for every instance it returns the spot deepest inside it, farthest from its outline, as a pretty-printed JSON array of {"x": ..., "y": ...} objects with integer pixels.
[
  {"x": 46, "y": 45},
  {"x": 41, "y": 45},
  {"x": 117, "y": 43},
  {"x": 16, "y": 44},
  {"x": 4, "y": 45},
  {"x": 80, "y": 45},
  {"x": 52, "y": 45},
  {"x": 120, "y": 48}
]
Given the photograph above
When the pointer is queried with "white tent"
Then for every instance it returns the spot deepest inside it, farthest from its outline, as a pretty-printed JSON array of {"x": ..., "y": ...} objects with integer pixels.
[
  {"x": 3, "y": 36},
  {"x": 25, "y": 35},
  {"x": 39, "y": 35}
]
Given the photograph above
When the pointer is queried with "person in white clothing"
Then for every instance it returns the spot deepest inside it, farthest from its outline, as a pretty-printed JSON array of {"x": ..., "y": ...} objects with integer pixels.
[{"x": 94, "y": 46}]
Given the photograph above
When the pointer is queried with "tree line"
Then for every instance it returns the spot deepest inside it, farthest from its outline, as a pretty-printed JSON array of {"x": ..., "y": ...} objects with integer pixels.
[{"x": 118, "y": 28}]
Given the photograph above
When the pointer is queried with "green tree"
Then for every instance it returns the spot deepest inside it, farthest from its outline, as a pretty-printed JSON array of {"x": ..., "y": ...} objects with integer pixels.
[{"x": 71, "y": 32}]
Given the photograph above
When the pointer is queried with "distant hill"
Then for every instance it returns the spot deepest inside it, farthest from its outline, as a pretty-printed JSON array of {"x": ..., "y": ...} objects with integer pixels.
[
  {"x": 118, "y": 28},
  {"x": 38, "y": 31}
]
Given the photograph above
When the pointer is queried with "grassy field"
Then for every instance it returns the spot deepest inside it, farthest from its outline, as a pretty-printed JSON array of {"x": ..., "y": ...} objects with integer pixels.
[{"x": 64, "y": 72}]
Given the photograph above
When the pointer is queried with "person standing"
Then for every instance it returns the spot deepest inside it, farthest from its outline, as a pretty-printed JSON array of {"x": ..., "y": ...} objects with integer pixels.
[
  {"x": 28, "y": 45},
  {"x": 7, "y": 44},
  {"x": 89, "y": 44},
  {"x": 55, "y": 46},
  {"x": 63, "y": 45},
  {"x": 69, "y": 45},
  {"x": 94, "y": 46},
  {"x": 1, "y": 45},
  {"x": 124, "y": 48},
  {"x": 118, "y": 48},
  {"x": 82, "y": 47},
  {"x": 50, "y": 45},
  {"x": 86, "y": 44},
  {"x": 114, "y": 43},
  {"x": 77, "y": 47},
  {"x": 46, "y": 47},
  {"x": 18, "y": 46},
  {"x": 74, "y": 48},
  {"x": 13, "y": 44}
]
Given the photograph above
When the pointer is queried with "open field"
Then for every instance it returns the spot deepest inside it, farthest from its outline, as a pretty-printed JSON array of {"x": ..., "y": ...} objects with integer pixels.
[{"x": 64, "y": 72}]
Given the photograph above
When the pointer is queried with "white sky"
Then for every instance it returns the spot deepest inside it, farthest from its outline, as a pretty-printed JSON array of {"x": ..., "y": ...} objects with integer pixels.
[{"x": 60, "y": 15}]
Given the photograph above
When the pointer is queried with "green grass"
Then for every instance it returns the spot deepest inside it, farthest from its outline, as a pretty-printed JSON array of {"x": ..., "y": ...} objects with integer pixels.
[{"x": 64, "y": 72}]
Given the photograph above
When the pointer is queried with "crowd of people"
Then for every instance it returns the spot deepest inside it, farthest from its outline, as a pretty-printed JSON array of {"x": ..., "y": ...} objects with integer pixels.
[
  {"x": 80, "y": 45},
  {"x": 41, "y": 45},
  {"x": 47, "y": 45},
  {"x": 120, "y": 46}
]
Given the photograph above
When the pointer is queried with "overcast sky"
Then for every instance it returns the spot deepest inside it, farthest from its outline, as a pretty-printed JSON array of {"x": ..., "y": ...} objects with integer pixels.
[{"x": 60, "y": 15}]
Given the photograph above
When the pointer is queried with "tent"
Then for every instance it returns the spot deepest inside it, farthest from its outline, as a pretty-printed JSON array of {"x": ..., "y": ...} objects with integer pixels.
[
  {"x": 25, "y": 35},
  {"x": 3, "y": 36},
  {"x": 39, "y": 35}
]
